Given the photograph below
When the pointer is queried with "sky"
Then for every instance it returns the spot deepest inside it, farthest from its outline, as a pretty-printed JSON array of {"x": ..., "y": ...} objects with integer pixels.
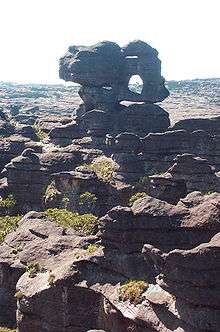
[{"x": 34, "y": 34}]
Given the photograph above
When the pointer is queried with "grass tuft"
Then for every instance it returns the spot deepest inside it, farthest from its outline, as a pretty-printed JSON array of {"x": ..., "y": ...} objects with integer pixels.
[
  {"x": 135, "y": 197},
  {"x": 132, "y": 290},
  {"x": 103, "y": 167},
  {"x": 83, "y": 224},
  {"x": 7, "y": 225}
]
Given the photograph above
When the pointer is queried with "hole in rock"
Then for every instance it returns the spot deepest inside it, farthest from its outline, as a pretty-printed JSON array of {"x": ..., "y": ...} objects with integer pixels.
[
  {"x": 135, "y": 84},
  {"x": 109, "y": 88},
  {"x": 131, "y": 57}
]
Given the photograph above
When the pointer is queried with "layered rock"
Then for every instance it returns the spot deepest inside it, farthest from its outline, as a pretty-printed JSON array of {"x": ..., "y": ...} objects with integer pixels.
[
  {"x": 129, "y": 164},
  {"x": 104, "y": 71},
  {"x": 26, "y": 180},
  {"x": 192, "y": 221},
  {"x": 211, "y": 126},
  {"x": 13, "y": 146},
  {"x": 160, "y": 149},
  {"x": 188, "y": 173},
  {"x": 191, "y": 277}
]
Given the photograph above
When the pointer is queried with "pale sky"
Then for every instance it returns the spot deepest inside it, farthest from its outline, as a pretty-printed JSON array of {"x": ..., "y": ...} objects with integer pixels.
[{"x": 35, "y": 33}]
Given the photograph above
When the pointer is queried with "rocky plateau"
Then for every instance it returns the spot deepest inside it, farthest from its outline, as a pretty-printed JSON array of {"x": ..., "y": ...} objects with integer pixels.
[{"x": 110, "y": 198}]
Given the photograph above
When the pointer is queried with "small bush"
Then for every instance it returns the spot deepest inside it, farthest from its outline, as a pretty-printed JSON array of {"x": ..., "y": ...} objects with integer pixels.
[
  {"x": 33, "y": 269},
  {"x": 7, "y": 225},
  {"x": 207, "y": 193},
  {"x": 132, "y": 290},
  {"x": 65, "y": 201},
  {"x": 103, "y": 167},
  {"x": 87, "y": 198},
  {"x": 40, "y": 133},
  {"x": 135, "y": 197},
  {"x": 83, "y": 224},
  {"x": 51, "y": 278},
  {"x": 5, "y": 329},
  {"x": 91, "y": 248},
  {"x": 19, "y": 295},
  {"x": 8, "y": 203}
]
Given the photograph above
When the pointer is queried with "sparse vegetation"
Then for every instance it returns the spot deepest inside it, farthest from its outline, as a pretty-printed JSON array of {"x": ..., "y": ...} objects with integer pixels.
[
  {"x": 135, "y": 197},
  {"x": 207, "y": 193},
  {"x": 40, "y": 133},
  {"x": 7, "y": 225},
  {"x": 6, "y": 329},
  {"x": 19, "y": 295},
  {"x": 51, "y": 278},
  {"x": 33, "y": 269},
  {"x": 87, "y": 198},
  {"x": 132, "y": 290},
  {"x": 8, "y": 203},
  {"x": 91, "y": 248},
  {"x": 51, "y": 191},
  {"x": 65, "y": 201},
  {"x": 83, "y": 224},
  {"x": 103, "y": 167}
]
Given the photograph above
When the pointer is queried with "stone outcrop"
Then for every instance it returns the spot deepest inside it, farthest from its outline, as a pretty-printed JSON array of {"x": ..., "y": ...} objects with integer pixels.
[
  {"x": 187, "y": 174},
  {"x": 13, "y": 146},
  {"x": 160, "y": 149},
  {"x": 164, "y": 225},
  {"x": 211, "y": 126},
  {"x": 104, "y": 71},
  {"x": 191, "y": 277},
  {"x": 26, "y": 180},
  {"x": 72, "y": 277},
  {"x": 129, "y": 164}
]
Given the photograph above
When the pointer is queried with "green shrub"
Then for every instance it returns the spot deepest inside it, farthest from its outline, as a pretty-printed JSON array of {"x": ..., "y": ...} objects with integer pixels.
[
  {"x": 132, "y": 290},
  {"x": 207, "y": 193},
  {"x": 103, "y": 167},
  {"x": 91, "y": 248},
  {"x": 7, "y": 225},
  {"x": 40, "y": 133},
  {"x": 83, "y": 224},
  {"x": 135, "y": 197},
  {"x": 5, "y": 329},
  {"x": 33, "y": 269},
  {"x": 87, "y": 198},
  {"x": 65, "y": 201},
  {"x": 8, "y": 203}
]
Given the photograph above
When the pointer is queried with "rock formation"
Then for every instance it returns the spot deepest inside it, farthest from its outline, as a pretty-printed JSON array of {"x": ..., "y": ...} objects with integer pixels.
[{"x": 104, "y": 71}]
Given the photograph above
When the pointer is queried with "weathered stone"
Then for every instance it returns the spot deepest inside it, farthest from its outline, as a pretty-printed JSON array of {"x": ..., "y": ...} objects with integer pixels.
[
  {"x": 211, "y": 126},
  {"x": 26, "y": 180},
  {"x": 98, "y": 65}
]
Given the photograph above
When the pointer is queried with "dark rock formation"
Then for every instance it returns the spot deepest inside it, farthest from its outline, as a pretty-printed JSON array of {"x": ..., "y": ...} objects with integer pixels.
[
  {"x": 104, "y": 71},
  {"x": 13, "y": 146},
  {"x": 188, "y": 174},
  {"x": 211, "y": 126},
  {"x": 160, "y": 149},
  {"x": 165, "y": 226},
  {"x": 191, "y": 277},
  {"x": 26, "y": 180},
  {"x": 129, "y": 164}
]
